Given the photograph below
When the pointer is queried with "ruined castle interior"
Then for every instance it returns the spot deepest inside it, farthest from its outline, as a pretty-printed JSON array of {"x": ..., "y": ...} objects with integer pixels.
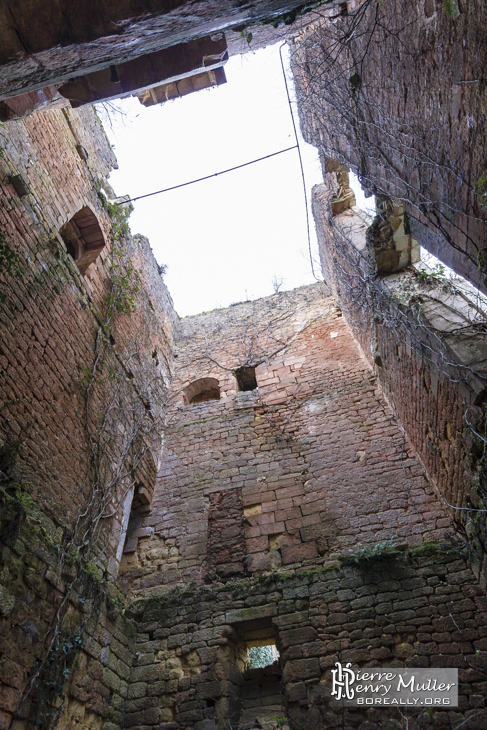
[{"x": 300, "y": 477}]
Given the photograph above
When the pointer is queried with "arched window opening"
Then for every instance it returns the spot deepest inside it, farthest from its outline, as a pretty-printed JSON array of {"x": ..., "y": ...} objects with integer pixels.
[
  {"x": 139, "y": 509},
  {"x": 246, "y": 378},
  {"x": 201, "y": 390},
  {"x": 83, "y": 238}
]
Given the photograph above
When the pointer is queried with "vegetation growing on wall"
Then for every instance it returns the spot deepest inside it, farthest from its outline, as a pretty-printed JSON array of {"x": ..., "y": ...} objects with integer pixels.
[
  {"x": 357, "y": 116},
  {"x": 123, "y": 411},
  {"x": 9, "y": 262}
]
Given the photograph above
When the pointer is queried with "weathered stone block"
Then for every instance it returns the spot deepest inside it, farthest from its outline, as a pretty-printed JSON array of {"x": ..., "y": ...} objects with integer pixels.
[
  {"x": 250, "y": 614},
  {"x": 7, "y": 602},
  {"x": 301, "y": 669},
  {"x": 297, "y": 636},
  {"x": 297, "y": 553}
]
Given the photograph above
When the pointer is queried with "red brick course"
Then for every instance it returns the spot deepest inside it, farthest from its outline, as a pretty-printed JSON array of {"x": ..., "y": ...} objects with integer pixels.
[
  {"x": 321, "y": 471},
  {"x": 400, "y": 101},
  {"x": 48, "y": 327}
]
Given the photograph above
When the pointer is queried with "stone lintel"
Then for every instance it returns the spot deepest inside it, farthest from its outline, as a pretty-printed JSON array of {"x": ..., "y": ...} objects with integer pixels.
[{"x": 239, "y": 615}]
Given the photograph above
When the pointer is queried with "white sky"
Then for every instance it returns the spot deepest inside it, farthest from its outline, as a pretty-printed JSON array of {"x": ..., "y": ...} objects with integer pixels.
[{"x": 223, "y": 240}]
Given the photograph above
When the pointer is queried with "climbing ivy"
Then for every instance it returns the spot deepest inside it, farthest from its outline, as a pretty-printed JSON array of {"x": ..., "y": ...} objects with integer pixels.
[
  {"x": 111, "y": 455},
  {"x": 451, "y": 8},
  {"x": 14, "y": 503},
  {"x": 125, "y": 284},
  {"x": 481, "y": 190}
]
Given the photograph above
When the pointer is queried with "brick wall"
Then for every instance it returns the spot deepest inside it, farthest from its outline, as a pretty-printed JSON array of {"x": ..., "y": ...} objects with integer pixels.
[
  {"x": 82, "y": 393},
  {"x": 278, "y": 499},
  {"x": 396, "y": 93},
  {"x": 297, "y": 511},
  {"x": 426, "y": 346},
  {"x": 311, "y": 462},
  {"x": 52, "y": 314}
]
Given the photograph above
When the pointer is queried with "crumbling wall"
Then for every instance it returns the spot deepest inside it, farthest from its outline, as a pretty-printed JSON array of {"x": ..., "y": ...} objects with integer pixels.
[
  {"x": 293, "y": 473},
  {"x": 51, "y": 313},
  {"x": 46, "y": 43},
  {"x": 415, "y": 608},
  {"x": 86, "y": 363},
  {"x": 66, "y": 647},
  {"x": 397, "y": 92},
  {"x": 424, "y": 337},
  {"x": 294, "y": 512}
]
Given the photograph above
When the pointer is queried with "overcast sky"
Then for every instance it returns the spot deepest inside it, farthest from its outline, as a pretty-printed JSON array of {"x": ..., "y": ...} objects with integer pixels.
[{"x": 225, "y": 239}]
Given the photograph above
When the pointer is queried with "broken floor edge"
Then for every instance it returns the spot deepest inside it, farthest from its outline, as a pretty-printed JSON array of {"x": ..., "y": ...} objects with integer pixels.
[{"x": 370, "y": 557}]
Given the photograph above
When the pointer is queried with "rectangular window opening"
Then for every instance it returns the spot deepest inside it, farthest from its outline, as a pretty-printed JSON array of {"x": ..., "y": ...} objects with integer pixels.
[
  {"x": 246, "y": 378},
  {"x": 363, "y": 200}
]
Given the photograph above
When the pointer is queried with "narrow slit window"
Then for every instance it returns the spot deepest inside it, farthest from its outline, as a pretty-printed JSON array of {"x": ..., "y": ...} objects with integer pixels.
[{"x": 139, "y": 509}]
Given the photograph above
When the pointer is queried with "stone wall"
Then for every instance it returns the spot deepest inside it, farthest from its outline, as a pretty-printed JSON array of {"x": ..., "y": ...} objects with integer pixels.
[
  {"x": 293, "y": 473},
  {"x": 295, "y": 512},
  {"x": 288, "y": 505},
  {"x": 417, "y": 608},
  {"x": 398, "y": 93},
  {"x": 85, "y": 365},
  {"x": 47, "y": 43},
  {"x": 425, "y": 340},
  {"x": 59, "y": 627},
  {"x": 52, "y": 314}
]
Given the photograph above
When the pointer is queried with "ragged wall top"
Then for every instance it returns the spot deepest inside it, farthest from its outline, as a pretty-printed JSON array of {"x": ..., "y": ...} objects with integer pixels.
[
  {"x": 44, "y": 43},
  {"x": 398, "y": 93},
  {"x": 290, "y": 474},
  {"x": 424, "y": 335},
  {"x": 55, "y": 320},
  {"x": 85, "y": 363}
]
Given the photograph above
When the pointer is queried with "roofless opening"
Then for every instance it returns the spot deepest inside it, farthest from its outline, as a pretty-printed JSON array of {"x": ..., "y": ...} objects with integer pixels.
[
  {"x": 233, "y": 241},
  {"x": 246, "y": 378}
]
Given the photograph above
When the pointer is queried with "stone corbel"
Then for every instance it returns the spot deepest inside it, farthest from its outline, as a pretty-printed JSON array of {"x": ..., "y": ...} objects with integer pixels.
[
  {"x": 389, "y": 238},
  {"x": 345, "y": 197}
]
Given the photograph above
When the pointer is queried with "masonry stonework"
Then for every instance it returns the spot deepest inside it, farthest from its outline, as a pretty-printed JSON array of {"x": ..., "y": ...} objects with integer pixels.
[
  {"x": 394, "y": 611},
  {"x": 45, "y": 43},
  {"x": 425, "y": 340},
  {"x": 306, "y": 470},
  {"x": 279, "y": 472},
  {"x": 68, "y": 373},
  {"x": 398, "y": 95}
]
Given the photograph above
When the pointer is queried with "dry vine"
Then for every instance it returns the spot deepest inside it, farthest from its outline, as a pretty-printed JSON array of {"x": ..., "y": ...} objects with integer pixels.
[
  {"x": 124, "y": 406},
  {"x": 244, "y": 340},
  {"x": 347, "y": 74}
]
